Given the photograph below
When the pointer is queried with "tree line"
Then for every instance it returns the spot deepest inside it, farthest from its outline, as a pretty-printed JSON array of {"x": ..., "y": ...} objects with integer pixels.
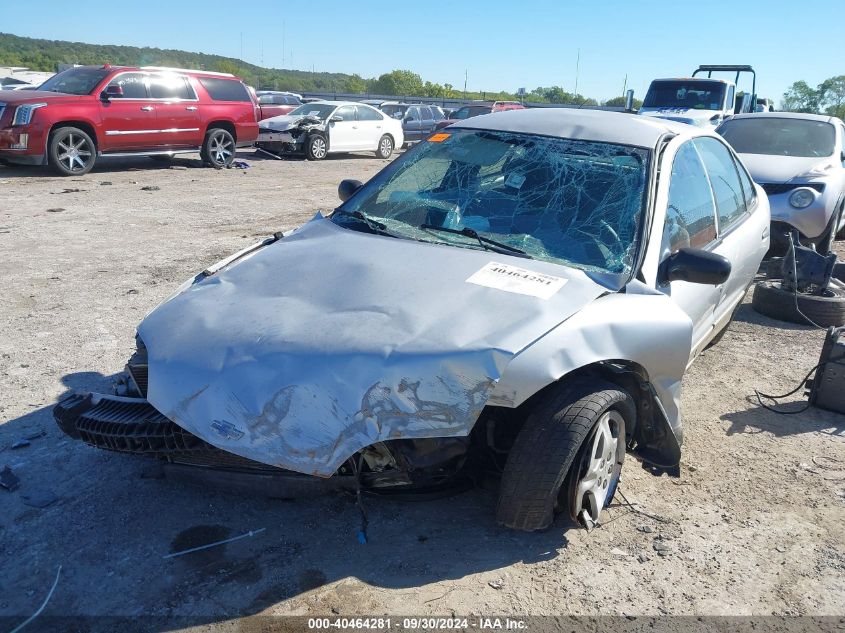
[
  {"x": 45, "y": 55},
  {"x": 826, "y": 98}
]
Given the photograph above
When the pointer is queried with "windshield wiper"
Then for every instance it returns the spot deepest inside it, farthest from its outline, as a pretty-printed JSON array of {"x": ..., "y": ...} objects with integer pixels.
[
  {"x": 374, "y": 225},
  {"x": 485, "y": 242}
]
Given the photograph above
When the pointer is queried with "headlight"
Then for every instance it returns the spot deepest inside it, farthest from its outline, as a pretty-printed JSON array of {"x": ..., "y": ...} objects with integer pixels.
[
  {"x": 23, "y": 113},
  {"x": 802, "y": 198}
]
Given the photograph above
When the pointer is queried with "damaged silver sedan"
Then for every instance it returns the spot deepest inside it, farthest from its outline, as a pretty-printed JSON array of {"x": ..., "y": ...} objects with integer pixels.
[{"x": 521, "y": 293}]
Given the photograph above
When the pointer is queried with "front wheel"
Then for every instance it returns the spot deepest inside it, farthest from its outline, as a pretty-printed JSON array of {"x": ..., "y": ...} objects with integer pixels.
[
  {"x": 568, "y": 457},
  {"x": 71, "y": 152},
  {"x": 218, "y": 149},
  {"x": 316, "y": 147},
  {"x": 385, "y": 147}
]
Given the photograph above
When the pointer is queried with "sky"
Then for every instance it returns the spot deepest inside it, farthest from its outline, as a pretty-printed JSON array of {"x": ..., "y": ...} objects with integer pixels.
[{"x": 496, "y": 44}]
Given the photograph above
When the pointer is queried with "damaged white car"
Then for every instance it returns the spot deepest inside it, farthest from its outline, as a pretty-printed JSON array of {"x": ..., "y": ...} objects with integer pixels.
[{"x": 521, "y": 293}]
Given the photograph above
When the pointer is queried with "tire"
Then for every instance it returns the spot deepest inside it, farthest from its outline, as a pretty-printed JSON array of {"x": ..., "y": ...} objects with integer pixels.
[
  {"x": 385, "y": 146},
  {"x": 774, "y": 268},
  {"x": 71, "y": 152},
  {"x": 317, "y": 147},
  {"x": 218, "y": 148},
  {"x": 546, "y": 461},
  {"x": 771, "y": 300}
]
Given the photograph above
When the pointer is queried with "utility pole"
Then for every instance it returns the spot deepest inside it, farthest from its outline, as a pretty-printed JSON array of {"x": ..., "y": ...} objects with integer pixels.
[
  {"x": 283, "y": 43},
  {"x": 466, "y": 75},
  {"x": 625, "y": 85},
  {"x": 242, "y": 46},
  {"x": 577, "y": 68}
]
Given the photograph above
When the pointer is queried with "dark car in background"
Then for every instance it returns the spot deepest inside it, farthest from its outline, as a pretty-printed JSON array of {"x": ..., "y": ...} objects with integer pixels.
[
  {"x": 477, "y": 109},
  {"x": 418, "y": 119}
]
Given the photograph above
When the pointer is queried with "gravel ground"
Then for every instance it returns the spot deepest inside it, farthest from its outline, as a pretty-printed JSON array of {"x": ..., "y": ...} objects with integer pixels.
[{"x": 753, "y": 526}]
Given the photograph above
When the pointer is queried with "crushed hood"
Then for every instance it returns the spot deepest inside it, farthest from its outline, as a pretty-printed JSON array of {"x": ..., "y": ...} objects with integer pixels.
[
  {"x": 330, "y": 340},
  {"x": 766, "y": 168},
  {"x": 284, "y": 122}
]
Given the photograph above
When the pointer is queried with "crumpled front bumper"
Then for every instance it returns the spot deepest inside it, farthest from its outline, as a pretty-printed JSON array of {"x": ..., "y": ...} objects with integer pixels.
[{"x": 133, "y": 425}]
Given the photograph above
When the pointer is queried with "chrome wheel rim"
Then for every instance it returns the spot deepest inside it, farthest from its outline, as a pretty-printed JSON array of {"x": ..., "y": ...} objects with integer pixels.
[
  {"x": 600, "y": 469},
  {"x": 386, "y": 147},
  {"x": 220, "y": 148},
  {"x": 318, "y": 147},
  {"x": 75, "y": 152}
]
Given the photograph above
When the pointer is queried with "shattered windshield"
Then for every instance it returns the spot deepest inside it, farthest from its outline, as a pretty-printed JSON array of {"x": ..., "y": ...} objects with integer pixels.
[
  {"x": 697, "y": 94},
  {"x": 75, "y": 81},
  {"x": 320, "y": 110},
  {"x": 573, "y": 202},
  {"x": 780, "y": 136}
]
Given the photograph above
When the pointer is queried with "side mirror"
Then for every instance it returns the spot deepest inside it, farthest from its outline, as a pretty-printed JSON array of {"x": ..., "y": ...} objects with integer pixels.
[
  {"x": 695, "y": 266},
  {"x": 347, "y": 188},
  {"x": 336, "y": 119},
  {"x": 111, "y": 92}
]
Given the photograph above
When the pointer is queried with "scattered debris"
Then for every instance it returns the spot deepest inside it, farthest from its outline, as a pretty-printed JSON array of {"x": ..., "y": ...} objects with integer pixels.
[
  {"x": 264, "y": 151},
  {"x": 179, "y": 167},
  {"x": 781, "y": 549},
  {"x": 43, "y": 604},
  {"x": 150, "y": 188},
  {"x": 20, "y": 444},
  {"x": 39, "y": 498},
  {"x": 692, "y": 469},
  {"x": 497, "y": 584},
  {"x": 644, "y": 528},
  {"x": 215, "y": 544},
  {"x": 643, "y": 557},
  {"x": 662, "y": 547},
  {"x": 55, "y": 210},
  {"x": 8, "y": 479},
  {"x": 132, "y": 291},
  {"x": 240, "y": 164},
  {"x": 68, "y": 191},
  {"x": 620, "y": 553},
  {"x": 106, "y": 182},
  {"x": 35, "y": 435}
]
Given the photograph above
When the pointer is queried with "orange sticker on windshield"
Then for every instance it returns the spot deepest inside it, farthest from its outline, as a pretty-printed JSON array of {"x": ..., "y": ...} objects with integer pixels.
[{"x": 438, "y": 138}]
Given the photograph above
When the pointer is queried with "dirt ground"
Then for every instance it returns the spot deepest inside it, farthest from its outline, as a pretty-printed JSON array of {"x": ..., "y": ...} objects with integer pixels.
[{"x": 754, "y": 525}]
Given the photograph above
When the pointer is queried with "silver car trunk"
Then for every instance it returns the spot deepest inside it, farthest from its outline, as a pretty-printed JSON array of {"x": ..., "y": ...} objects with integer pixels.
[{"x": 330, "y": 340}]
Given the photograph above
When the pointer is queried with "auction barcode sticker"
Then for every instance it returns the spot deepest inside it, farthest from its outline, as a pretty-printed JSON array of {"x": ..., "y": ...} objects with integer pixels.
[{"x": 514, "y": 279}]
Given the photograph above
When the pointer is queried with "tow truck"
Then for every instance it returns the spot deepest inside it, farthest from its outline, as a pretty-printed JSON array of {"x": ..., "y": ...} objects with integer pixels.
[{"x": 698, "y": 100}]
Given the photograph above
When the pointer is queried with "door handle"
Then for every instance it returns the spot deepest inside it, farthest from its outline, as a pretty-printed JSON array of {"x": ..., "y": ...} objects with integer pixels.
[
  {"x": 146, "y": 108},
  {"x": 191, "y": 108}
]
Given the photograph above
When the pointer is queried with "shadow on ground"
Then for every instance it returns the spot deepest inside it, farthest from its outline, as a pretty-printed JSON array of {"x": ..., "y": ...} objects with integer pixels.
[{"x": 115, "y": 517}]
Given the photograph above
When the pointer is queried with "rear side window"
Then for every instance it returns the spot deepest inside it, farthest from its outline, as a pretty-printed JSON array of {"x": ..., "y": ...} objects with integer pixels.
[
  {"x": 730, "y": 201},
  {"x": 368, "y": 114},
  {"x": 170, "y": 87},
  {"x": 134, "y": 85},
  {"x": 690, "y": 215},
  {"x": 225, "y": 89},
  {"x": 747, "y": 185}
]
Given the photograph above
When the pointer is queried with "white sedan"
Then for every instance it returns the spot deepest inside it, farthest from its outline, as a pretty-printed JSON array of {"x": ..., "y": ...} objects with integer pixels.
[
  {"x": 799, "y": 161},
  {"x": 329, "y": 127}
]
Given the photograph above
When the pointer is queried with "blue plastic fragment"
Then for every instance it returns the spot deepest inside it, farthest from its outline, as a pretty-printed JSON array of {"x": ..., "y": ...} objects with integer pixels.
[{"x": 362, "y": 537}]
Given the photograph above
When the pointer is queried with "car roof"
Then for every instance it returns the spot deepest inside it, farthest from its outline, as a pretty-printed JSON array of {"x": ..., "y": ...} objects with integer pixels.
[
  {"x": 340, "y": 103},
  {"x": 786, "y": 115},
  {"x": 589, "y": 125}
]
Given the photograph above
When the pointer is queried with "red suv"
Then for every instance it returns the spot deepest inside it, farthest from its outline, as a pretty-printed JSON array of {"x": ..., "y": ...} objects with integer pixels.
[{"x": 88, "y": 111}]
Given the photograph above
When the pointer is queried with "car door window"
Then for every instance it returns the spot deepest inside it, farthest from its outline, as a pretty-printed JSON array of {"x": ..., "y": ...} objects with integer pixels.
[
  {"x": 134, "y": 85},
  {"x": 170, "y": 87},
  {"x": 426, "y": 113},
  {"x": 690, "y": 213},
  {"x": 347, "y": 113},
  {"x": 748, "y": 190},
  {"x": 413, "y": 114},
  {"x": 724, "y": 179},
  {"x": 369, "y": 114}
]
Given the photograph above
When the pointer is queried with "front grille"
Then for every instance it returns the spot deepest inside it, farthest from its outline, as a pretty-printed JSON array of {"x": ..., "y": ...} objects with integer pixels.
[
  {"x": 133, "y": 425},
  {"x": 774, "y": 189},
  {"x": 139, "y": 375}
]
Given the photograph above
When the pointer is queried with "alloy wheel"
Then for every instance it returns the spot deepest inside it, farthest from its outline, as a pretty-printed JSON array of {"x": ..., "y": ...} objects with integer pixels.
[
  {"x": 75, "y": 152},
  {"x": 599, "y": 470},
  {"x": 318, "y": 147},
  {"x": 220, "y": 148}
]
